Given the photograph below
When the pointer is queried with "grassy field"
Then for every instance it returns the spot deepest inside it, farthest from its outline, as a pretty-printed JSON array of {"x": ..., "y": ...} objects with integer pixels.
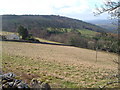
[
  {"x": 6, "y": 33},
  {"x": 84, "y": 32},
  {"x": 60, "y": 66},
  {"x": 43, "y": 40},
  {"x": 87, "y": 33}
]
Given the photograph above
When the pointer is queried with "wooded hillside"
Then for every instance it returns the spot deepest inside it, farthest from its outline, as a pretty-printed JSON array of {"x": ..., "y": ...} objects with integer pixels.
[{"x": 38, "y": 22}]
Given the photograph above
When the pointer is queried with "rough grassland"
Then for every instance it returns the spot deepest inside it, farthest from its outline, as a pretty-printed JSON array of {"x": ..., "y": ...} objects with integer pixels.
[{"x": 61, "y": 66}]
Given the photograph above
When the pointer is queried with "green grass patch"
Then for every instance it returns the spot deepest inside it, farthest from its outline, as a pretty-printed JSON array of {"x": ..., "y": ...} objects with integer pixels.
[
  {"x": 87, "y": 33},
  {"x": 70, "y": 84}
]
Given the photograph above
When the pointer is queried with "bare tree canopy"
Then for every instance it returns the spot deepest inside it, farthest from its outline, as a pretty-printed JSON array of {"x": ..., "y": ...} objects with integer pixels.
[{"x": 112, "y": 7}]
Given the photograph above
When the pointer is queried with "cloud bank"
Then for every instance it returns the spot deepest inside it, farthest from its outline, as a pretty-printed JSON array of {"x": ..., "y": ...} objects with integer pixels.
[{"x": 79, "y": 9}]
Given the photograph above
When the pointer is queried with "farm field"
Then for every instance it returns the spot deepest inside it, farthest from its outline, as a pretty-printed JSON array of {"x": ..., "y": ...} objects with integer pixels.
[
  {"x": 60, "y": 66},
  {"x": 87, "y": 32},
  {"x": 6, "y": 33}
]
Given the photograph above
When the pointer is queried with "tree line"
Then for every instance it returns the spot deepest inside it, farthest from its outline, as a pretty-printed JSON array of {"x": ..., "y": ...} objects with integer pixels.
[{"x": 101, "y": 41}]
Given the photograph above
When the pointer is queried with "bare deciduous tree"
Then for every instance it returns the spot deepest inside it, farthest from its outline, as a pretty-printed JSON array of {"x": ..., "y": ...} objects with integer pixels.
[{"x": 112, "y": 7}]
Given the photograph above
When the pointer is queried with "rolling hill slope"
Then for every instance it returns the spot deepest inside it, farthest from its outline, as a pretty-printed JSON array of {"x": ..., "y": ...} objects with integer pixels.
[
  {"x": 110, "y": 25},
  {"x": 38, "y": 22},
  {"x": 61, "y": 66}
]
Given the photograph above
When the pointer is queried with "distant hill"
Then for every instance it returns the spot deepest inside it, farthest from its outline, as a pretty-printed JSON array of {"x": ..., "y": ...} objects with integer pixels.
[
  {"x": 110, "y": 25},
  {"x": 36, "y": 22},
  {"x": 63, "y": 30}
]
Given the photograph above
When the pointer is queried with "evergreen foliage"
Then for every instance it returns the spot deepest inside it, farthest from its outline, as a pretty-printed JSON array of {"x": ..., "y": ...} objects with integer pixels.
[{"x": 23, "y": 32}]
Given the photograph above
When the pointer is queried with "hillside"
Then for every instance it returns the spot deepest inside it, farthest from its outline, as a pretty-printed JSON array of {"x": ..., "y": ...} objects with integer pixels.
[
  {"x": 60, "y": 66},
  {"x": 63, "y": 30},
  {"x": 39, "y": 22},
  {"x": 110, "y": 25}
]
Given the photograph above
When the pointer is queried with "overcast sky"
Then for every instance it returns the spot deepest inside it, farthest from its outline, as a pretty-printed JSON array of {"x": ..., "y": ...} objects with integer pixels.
[{"x": 78, "y": 9}]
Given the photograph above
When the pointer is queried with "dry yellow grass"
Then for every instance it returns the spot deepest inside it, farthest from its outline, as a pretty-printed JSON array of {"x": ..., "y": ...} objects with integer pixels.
[
  {"x": 63, "y": 63},
  {"x": 6, "y": 33},
  {"x": 62, "y": 54},
  {"x": 43, "y": 40}
]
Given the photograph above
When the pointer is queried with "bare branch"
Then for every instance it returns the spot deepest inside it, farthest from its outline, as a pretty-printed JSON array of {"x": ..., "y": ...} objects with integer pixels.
[{"x": 111, "y": 7}]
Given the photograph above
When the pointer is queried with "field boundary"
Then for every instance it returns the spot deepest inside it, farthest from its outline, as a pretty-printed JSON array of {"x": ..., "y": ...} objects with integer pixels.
[{"x": 36, "y": 42}]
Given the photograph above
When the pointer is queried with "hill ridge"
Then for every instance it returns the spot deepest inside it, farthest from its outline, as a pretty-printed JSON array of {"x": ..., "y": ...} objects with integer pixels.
[{"x": 11, "y": 22}]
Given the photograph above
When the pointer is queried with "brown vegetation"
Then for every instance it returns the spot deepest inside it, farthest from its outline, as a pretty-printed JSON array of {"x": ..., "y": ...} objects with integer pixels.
[{"x": 62, "y": 66}]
